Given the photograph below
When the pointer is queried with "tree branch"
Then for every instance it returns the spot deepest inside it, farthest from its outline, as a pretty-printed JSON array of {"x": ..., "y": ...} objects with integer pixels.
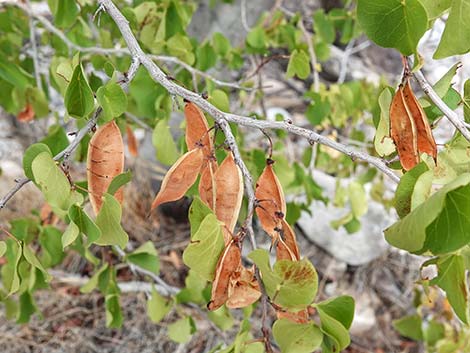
[
  {"x": 159, "y": 76},
  {"x": 313, "y": 57},
  {"x": 449, "y": 113},
  {"x": 78, "y": 137}
]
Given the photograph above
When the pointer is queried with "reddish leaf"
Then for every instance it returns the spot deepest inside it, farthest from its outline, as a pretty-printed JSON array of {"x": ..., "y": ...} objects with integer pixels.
[
  {"x": 243, "y": 289},
  {"x": 271, "y": 207},
  {"x": 403, "y": 131},
  {"x": 27, "y": 114},
  {"x": 105, "y": 161},
  {"x": 197, "y": 129},
  {"x": 207, "y": 182},
  {"x": 425, "y": 139},
  {"x": 132, "y": 144},
  {"x": 229, "y": 192},
  {"x": 180, "y": 177},
  {"x": 227, "y": 265}
]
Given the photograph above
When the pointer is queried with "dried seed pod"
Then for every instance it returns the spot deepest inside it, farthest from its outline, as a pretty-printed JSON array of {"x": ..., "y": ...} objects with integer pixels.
[
  {"x": 403, "y": 131},
  {"x": 105, "y": 161},
  {"x": 229, "y": 192},
  {"x": 132, "y": 144},
  {"x": 180, "y": 177},
  {"x": 197, "y": 129},
  {"x": 27, "y": 114},
  {"x": 425, "y": 139},
  {"x": 227, "y": 265},
  {"x": 272, "y": 205},
  {"x": 243, "y": 289},
  {"x": 207, "y": 184}
]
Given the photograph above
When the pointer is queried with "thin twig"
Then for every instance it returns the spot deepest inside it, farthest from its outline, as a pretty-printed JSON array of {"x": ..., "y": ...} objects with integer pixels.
[
  {"x": 313, "y": 57},
  {"x": 344, "y": 62},
  {"x": 32, "y": 34},
  {"x": 444, "y": 108},
  {"x": 78, "y": 137}
]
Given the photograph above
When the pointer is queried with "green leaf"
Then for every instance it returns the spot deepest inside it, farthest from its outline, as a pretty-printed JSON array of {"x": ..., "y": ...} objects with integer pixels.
[
  {"x": 118, "y": 181},
  {"x": 33, "y": 260},
  {"x": 466, "y": 101},
  {"x": 340, "y": 308},
  {"x": 222, "y": 318},
  {"x": 197, "y": 212},
  {"x": 323, "y": 26},
  {"x": 193, "y": 289},
  {"x": 71, "y": 233},
  {"x": 38, "y": 100},
  {"x": 85, "y": 224},
  {"x": 114, "y": 316},
  {"x": 181, "y": 330},
  {"x": 382, "y": 141},
  {"x": 220, "y": 44},
  {"x": 165, "y": 146},
  {"x": 50, "y": 240},
  {"x": 206, "y": 57},
  {"x": 56, "y": 139},
  {"x": 435, "y": 8},
  {"x": 3, "y": 248},
  {"x": 455, "y": 39},
  {"x": 79, "y": 100},
  {"x": 13, "y": 74},
  {"x": 290, "y": 284},
  {"x": 146, "y": 256},
  {"x": 393, "y": 23},
  {"x": 65, "y": 12},
  {"x": 410, "y": 232},
  {"x": 180, "y": 46},
  {"x": 10, "y": 277},
  {"x": 422, "y": 189},
  {"x": 410, "y": 326},
  {"x": 434, "y": 332},
  {"x": 402, "y": 200},
  {"x": 112, "y": 99},
  {"x": 26, "y": 308},
  {"x": 334, "y": 329},
  {"x": 97, "y": 279},
  {"x": 357, "y": 198},
  {"x": 29, "y": 155},
  {"x": 109, "y": 222},
  {"x": 52, "y": 182},
  {"x": 256, "y": 38},
  {"x": 299, "y": 65},
  {"x": 220, "y": 99},
  {"x": 157, "y": 306},
  {"x": 296, "y": 338},
  {"x": 449, "y": 231},
  {"x": 452, "y": 279},
  {"x": 205, "y": 248}
]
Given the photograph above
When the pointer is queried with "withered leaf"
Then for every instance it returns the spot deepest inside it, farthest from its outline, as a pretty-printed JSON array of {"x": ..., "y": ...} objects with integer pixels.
[
  {"x": 197, "y": 128},
  {"x": 180, "y": 177},
  {"x": 271, "y": 207},
  {"x": 229, "y": 192},
  {"x": 105, "y": 161},
  {"x": 207, "y": 184},
  {"x": 132, "y": 144},
  {"x": 227, "y": 265},
  {"x": 27, "y": 114},
  {"x": 425, "y": 139},
  {"x": 403, "y": 131},
  {"x": 300, "y": 317},
  {"x": 243, "y": 289}
]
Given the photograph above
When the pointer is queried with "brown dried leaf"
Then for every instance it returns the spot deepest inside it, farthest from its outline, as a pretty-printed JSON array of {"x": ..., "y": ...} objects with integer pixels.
[
  {"x": 180, "y": 177},
  {"x": 207, "y": 185},
  {"x": 227, "y": 265},
  {"x": 132, "y": 144},
  {"x": 229, "y": 192},
  {"x": 403, "y": 131},
  {"x": 197, "y": 129},
  {"x": 272, "y": 205},
  {"x": 425, "y": 139},
  {"x": 27, "y": 114},
  {"x": 300, "y": 317},
  {"x": 105, "y": 161},
  {"x": 243, "y": 289}
]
